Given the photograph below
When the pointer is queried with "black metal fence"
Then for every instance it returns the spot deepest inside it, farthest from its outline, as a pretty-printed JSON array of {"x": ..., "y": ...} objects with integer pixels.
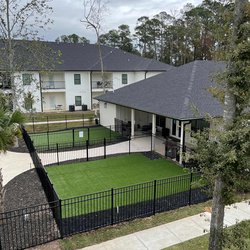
[
  {"x": 91, "y": 150},
  {"x": 76, "y": 137},
  {"x": 65, "y": 121},
  {"x": 29, "y": 227},
  {"x": 58, "y": 218},
  {"x": 88, "y": 212}
]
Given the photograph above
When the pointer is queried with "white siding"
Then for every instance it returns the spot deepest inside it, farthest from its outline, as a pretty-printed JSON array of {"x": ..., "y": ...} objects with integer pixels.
[
  {"x": 107, "y": 114},
  {"x": 150, "y": 74},
  {"x": 117, "y": 79},
  {"x": 123, "y": 113},
  {"x": 132, "y": 77},
  {"x": 24, "y": 89},
  {"x": 73, "y": 90}
]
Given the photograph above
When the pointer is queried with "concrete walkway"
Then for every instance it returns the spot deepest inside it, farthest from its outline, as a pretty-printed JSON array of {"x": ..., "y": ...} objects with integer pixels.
[
  {"x": 174, "y": 232},
  {"x": 60, "y": 121},
  {"x": 13, "y": 164},
  {"x": 137, "y": 145}
]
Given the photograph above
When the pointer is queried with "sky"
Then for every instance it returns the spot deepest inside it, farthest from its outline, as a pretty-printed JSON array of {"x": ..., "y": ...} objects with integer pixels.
[{"x": 67, "y": 15}]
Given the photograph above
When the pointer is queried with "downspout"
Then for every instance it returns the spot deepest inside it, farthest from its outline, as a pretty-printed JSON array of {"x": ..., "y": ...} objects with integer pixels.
[
  {"x": 41, "y": 94},
  {"x": 189, "y": 122},
  {"x": 91, "y": 95},
  {"x": 145, "y": 75}
]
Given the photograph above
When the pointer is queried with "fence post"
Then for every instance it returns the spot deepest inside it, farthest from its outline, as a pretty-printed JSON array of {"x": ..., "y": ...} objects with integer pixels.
[
  {"x": 33, "y": 121},
  {"x": 88, "y": 135},
  {"x": 57, "y": 154},
  {"x": 66, "y": 124},
  {"x": 190, "y": 189},
  {"x": 60, "y": 218},
  {"x": 87, "y": 149},
  {"x": 48, "y": 139},
  {"x": 154, "y": 197},
  {"x": 73, "y": 137},
  {"x": 47, "y": 123},
  {"x": 104, "y": 145},
  {"x": 112, "y": 206},
  {"x": 129, "y": 145}
]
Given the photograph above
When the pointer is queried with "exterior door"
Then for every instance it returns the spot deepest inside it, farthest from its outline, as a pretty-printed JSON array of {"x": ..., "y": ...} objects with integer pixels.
[{"x": 52, "y": 101}]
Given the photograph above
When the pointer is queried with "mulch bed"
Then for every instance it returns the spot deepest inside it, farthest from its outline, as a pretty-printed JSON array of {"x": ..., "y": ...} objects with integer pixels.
[
  {"x": 25, "y": 223},
  {"x": 23, "y": 191},
  {"x": 21, "y": 147}
]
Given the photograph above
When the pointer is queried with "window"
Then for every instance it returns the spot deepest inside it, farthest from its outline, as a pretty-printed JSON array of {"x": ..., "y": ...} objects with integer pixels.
[
  {"x": 199, "y": 125},
  {"x": 160, "y": 121},
  {"x": 124, "y": 78},
  {"x": 77, "y": 79},
  {"x": 5, "y": 81},
  {"x": 27, "y": 79},
  {"x": 78, "y": 100},
  {"x": 176, "y": 128}
]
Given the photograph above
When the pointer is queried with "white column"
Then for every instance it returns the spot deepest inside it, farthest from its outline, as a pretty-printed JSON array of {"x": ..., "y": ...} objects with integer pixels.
[
  {"x": 153, "y": 130},
  {"x": 132, "y": 123},
  {"x": 181, "y": 142},
  {"x": 153, "y": 124}
]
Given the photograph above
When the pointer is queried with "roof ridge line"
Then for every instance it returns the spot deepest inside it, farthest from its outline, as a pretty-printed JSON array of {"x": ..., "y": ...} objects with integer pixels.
[
  {"x": 103, "y": 56},
  {"x": 189, "y": 90}
]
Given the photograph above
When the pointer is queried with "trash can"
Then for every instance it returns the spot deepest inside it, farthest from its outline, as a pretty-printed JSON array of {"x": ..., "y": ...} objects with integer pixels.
[
  {"x": 71, "y": 108},
  {"x": 96, "y": 121},
  {"x": 84, "y": 107}
]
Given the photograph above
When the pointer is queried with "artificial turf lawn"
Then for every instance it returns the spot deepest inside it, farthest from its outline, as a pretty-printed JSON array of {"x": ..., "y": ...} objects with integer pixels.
[
  {"x": 89, "y": 177},
  {"x": 67, "y": 136}
]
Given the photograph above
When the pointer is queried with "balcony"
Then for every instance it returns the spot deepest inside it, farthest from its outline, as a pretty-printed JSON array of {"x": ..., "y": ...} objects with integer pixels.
[
  {"x": 53, "y": 85},
  {"x": 99, "y": 85}
]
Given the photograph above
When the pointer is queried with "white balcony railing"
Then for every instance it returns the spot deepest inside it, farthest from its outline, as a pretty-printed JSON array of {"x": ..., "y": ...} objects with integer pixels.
[
  {"x": 101, "y": 85},
  {"x": 53, "y": 85}
]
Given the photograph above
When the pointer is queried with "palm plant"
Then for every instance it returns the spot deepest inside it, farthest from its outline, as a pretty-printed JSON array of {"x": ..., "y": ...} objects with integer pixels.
[
  {"x": 9, "y": 127},
  {"x": 9, "y": 130}
]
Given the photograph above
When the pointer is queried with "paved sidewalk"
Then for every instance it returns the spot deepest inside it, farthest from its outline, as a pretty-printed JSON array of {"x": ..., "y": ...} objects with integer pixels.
[
  {"x": 174, "y": 232},
  {"x": 13, "y": 164},
  {"x": 60, "y": 121},
  {"x": 137, "y": 145}
]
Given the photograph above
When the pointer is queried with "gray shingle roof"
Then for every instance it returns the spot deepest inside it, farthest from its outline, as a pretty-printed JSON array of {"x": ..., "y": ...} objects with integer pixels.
[
  {"x": 178, "y": 93},
  {"x": 85, "y": 57}
]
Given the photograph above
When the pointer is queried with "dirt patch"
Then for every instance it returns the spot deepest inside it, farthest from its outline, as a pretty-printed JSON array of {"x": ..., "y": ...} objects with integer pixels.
[{"x": 54, "y": 245}]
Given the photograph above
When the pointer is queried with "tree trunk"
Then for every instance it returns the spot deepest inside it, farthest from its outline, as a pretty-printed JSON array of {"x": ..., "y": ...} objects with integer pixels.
[
  {"x": 1, "y": 194},
  {"x": 217, "y": 217},
  {"x": 10, "y": 57}
]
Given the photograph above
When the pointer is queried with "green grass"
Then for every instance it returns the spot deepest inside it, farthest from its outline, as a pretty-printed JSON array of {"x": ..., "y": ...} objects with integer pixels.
[
  {"x": 94, "y": 176},
  {"x": 236, "y": 237},
  {"x": 200, "y": 243},
  {"x": 67, "y": 136}
]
